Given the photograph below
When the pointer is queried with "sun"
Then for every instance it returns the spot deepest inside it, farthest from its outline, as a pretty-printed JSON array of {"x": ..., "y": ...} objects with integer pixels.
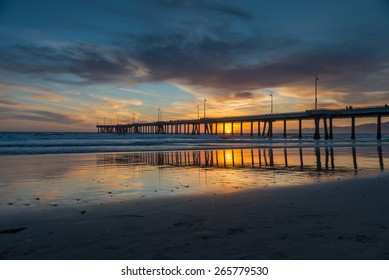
[{"x": 228, "y": 128}]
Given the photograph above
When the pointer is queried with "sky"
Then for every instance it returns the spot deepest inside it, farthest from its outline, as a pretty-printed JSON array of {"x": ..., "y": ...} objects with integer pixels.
[{"x": 67, "y": 65}]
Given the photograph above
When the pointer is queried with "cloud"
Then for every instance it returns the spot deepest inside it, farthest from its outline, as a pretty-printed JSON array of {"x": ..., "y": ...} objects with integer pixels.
[
  {"x": 244, "y": 63},
  {"x": 40, "y": 116},
  {"x": 86, "y": 63},
  {"x": 244, "y": 95},
  {"x": 216, "y": 60},
  {"x": 6, "y": 100},
  {"x": 201, "y": 58},
  {"x": 224, "y": 61}
]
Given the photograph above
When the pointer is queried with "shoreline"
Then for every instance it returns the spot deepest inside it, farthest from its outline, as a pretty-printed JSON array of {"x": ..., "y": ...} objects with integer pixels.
[{"x": 337, "y": 219}]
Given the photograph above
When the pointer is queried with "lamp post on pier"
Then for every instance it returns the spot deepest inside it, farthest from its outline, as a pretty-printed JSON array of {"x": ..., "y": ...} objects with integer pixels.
[
  {"x": 316, "y": 79},
  {"x": 271, "y": 102},
  {"x": 198, "y": 111},
  {"x": 159, "y": 111},
  {"x": 205, "y": 100}
]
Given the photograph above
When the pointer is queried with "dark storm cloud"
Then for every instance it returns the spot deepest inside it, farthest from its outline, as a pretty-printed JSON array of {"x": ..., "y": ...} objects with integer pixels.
[
  {"x": 89, "y": 63},
  {"x": 239, "y": 63},
  {"x": 216, "y": 57},
  {"x": 223, "y": 61},
  {"x": 169, "y": 56},
  {"x": 339, "y": 68},
  {"x": 201, "y": 59}
]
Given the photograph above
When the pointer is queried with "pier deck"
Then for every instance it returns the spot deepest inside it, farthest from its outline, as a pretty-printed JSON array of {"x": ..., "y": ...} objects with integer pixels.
[{"x": 210, "y": 125}]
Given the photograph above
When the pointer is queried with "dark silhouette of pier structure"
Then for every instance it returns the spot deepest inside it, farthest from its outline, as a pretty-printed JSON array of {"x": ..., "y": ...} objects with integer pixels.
[{"x": 263, "y": 123}]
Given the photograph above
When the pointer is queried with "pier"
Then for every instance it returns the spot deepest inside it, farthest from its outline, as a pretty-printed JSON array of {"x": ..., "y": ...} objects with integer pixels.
[{"x": 260, "y": 125}]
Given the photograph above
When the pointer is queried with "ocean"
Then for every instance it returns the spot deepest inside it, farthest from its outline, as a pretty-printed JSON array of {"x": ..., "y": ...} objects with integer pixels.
[{"x": 65, "y": 143}]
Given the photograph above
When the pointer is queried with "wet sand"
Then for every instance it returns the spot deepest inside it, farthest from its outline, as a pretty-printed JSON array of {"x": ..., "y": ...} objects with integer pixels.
[{"x": 334, "y": 219}]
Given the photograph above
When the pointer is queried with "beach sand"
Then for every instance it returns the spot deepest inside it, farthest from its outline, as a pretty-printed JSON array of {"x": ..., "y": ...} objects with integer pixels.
[{"x": 336, "y": 219}]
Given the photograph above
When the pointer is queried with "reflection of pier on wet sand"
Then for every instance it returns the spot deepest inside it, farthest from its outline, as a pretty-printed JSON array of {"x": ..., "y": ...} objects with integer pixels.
[{"x": 309, "y": 159}]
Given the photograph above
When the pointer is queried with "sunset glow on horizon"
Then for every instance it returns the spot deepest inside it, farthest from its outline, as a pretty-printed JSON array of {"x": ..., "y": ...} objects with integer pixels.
[{"x": 68, "y": 65}]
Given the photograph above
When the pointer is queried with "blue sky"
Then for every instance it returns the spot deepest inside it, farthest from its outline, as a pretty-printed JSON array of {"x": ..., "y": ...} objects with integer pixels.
[{"x": 66, "y": 64}]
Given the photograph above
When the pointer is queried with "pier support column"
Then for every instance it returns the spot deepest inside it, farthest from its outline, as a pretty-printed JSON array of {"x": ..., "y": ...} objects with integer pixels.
[
  {"x": 353, "y": 128},
  {"x": 264, "y": 128},
  {"x": 196, "y": 129},
  {"x": 300, "y": 129},
  {"x": 325, "y": 128},
  {"x": 284, "y": 129},
  {"x": 251, "y": 133},
  {"x": 215, "y": 128},
  {"x": 241, "y": 128},
  {"x": 379, "y": 135},
  {"x": 316, "y": 136},
  {"x": 232, "y": 128},
  {"x": 224, "y": 128},
  {"x": 331, "y": 133},
  {"x": 259, "y": 128},
  {"x": 270, "y": 131}
]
